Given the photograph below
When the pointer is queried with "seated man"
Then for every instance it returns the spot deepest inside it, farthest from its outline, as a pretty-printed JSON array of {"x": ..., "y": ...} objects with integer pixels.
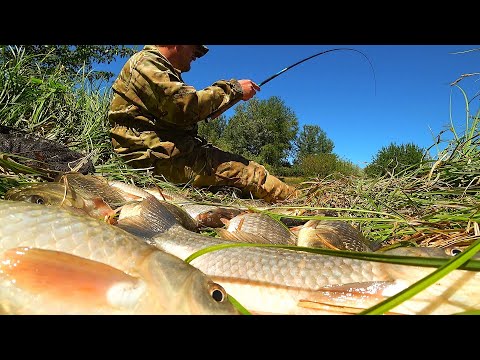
[{"x": 154, "y": 117}]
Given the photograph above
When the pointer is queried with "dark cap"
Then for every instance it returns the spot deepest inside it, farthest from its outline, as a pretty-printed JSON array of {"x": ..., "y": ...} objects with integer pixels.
[{"x": 201, "y": 50}]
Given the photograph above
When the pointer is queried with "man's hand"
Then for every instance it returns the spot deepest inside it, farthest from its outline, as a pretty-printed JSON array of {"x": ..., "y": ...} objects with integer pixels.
[{"x": 249, "y": 89}]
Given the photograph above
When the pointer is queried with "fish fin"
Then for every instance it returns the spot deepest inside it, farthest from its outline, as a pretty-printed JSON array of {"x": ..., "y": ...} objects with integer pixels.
[
  {"x": 225, "y": 234},
  {"x": 325, "y": 243},
  {"x": 63, "y": 278},
  {"x": 148, "y": 218},
  {"x": 350, "y": 298},
  {"x": 225, "y": 222},
  {"x": 241, "y": 236},
  {"x": 138, "y": 226},
  {"x": 92, "y": 205},
  {"x": 96, "y": 207},
  {"x": 296, "y": 228},
  {"x": 328, "y": 308}
]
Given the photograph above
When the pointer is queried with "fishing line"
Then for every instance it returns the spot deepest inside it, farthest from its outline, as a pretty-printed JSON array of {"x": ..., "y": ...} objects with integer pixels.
[
  {"x": 321, "y": 53},
  {"x": 229, "y": 105}
]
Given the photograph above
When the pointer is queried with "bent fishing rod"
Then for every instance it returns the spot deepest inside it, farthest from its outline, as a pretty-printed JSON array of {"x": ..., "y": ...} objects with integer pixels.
[{"x": 227, "y": 106}]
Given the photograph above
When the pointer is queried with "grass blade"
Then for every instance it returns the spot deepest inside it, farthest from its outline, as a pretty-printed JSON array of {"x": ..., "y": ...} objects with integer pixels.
[{"x": 422, "y": 284}]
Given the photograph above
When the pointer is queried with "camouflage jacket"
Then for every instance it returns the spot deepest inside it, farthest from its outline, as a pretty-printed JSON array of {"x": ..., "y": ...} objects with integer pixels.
[{"x": 150, "y": 95}]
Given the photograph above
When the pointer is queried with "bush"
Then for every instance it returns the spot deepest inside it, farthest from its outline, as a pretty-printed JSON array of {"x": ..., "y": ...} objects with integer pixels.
[
  {"x": 393, "y": 159},
  {"x": 322, "y": 165}
]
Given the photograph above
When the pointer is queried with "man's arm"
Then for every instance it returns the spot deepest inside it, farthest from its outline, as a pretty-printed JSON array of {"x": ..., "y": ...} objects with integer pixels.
[{"x": 161, "y": 93}]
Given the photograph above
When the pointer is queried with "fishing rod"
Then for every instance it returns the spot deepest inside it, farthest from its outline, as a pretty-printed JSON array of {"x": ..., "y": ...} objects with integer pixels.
[{"x": 230, "y": 104}]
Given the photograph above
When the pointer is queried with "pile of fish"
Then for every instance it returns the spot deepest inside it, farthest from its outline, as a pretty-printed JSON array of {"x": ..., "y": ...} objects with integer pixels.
[{"x": 87, "y": 245}]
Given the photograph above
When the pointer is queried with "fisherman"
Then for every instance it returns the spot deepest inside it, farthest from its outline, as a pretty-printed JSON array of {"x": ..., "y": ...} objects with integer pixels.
[{"x": 154, "y": 116}]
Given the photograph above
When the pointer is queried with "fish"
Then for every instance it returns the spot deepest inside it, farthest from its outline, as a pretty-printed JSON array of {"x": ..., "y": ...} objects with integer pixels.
[
  {"x": 134, "y": 208},
  {"x": 95, "y": 185},
  {"x": 53, "y": 261},
  {"x": 261, "y": 228},
  {"x": 92, "y": 196},
  {"x": 47, "y": 157},
  {"x": 287, "y": 212},
  {"x": 136, "y": 193},
  {"x": 193, "y": 216},
  {"x": 116, "y": 193},
  {"x": 332, "y": 234},
  {"x": 65, "y": 196},
  {"x": 210, "y": 216},
  {"x": 268, "y": 280},
  {"x": 257, "y": 228}
]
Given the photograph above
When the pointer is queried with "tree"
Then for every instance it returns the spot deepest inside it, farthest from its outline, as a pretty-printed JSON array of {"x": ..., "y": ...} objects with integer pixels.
[
  {"x": 73, "y": 57},
  {"x": 312, "y": 140},
  {"x": 394, "y": 158},
  {"x": 262, "y": 130},
  {"x": 213, "y": 130}
]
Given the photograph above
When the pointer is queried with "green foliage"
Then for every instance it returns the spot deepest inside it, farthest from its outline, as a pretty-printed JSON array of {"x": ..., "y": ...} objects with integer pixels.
[
  {"x": 348, "y": 168},
  {"x": 458, "y": 163},
  {"x": 28, "y": 95},
  {"x": 323, "y": 165},
  {"x": 72, "y": 58},
  {"x": 312, "y": 140},
  {"x": 52, "y": 104},
  {"x": 213, "y": 130},
  {"x": 263, "y": 130},
  {"x": 394, "y": 159}
]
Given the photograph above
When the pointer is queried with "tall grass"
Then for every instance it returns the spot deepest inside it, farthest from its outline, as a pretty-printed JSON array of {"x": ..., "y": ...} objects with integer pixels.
[
  {"x": 434, "y": 203},
  {"x": 54, "y": 105}
]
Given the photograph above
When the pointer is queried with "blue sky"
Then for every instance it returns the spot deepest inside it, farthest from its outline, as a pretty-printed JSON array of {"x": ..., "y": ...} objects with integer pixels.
[{"x": 406, "y": 98}]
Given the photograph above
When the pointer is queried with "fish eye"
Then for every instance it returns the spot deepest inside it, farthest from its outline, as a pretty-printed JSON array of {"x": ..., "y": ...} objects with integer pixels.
[
  {"x": 455, "y": 251},
  {"x": 36, "y": 199},
  {"x": 218, "y": 293}
]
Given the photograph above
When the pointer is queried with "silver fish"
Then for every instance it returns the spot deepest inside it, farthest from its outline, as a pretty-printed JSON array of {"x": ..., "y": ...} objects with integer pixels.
[
  {"x": 92, "y": 196},
  {"x": 332, "y": 234},
  {"x": 264, "y": 228},
  {"x": 56, "y": 262},
  {"x": 94, "y": 185},
  {"x": 62, "y": 195},
  {"x": 280, "y": 281}
]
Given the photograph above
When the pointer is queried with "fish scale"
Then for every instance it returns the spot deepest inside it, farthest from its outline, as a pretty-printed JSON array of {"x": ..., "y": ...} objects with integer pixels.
[
  {"x": 267, "y": 280},
  {"x": 296, "y": 269},
  {"x": 281, "y": 281},
  {"x": 56, "y": 231},
  {"x": 172, "y": 286},
  {"x": 289, "y": 268},
  {"x": 264, "y": 226}
]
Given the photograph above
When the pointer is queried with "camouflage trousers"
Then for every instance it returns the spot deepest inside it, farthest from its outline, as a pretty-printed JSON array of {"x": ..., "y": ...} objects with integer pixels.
[{"x": 190, "y": 159}]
